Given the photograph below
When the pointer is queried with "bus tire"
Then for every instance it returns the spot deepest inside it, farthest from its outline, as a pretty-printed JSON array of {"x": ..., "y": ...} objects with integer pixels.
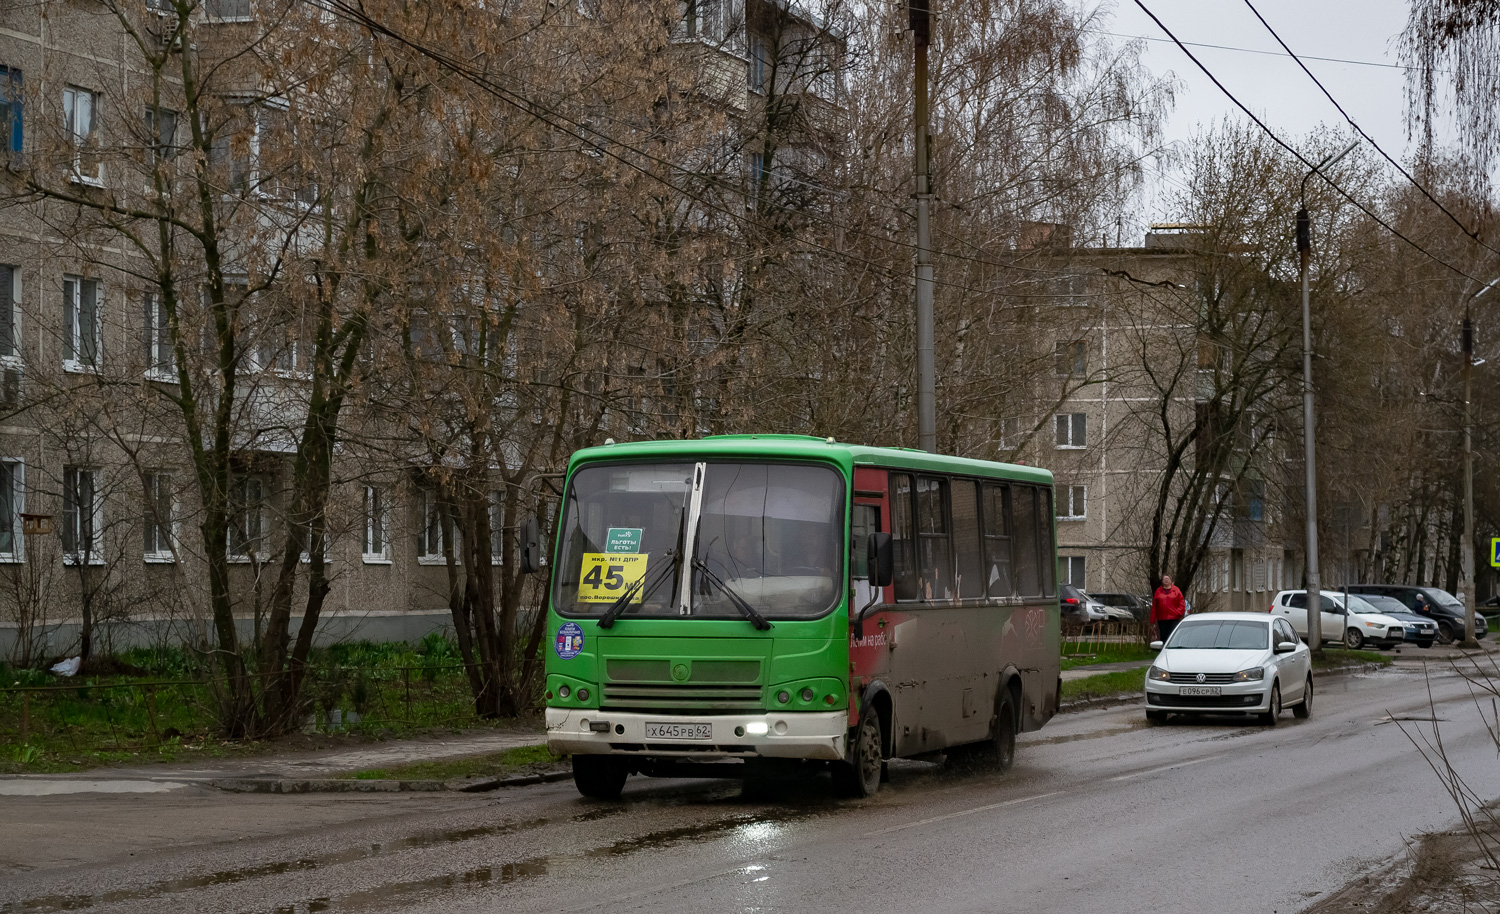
[
  {"x": 599, "y": 777},
  {"x": 860, "y": 776},
  {"x": 1001, "y": 749}
]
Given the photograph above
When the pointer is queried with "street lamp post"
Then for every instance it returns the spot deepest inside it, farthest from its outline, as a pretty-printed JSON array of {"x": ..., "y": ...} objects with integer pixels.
[
  {"x": 1466, "y": 552},
  {"x": 1309, "y": 450}
]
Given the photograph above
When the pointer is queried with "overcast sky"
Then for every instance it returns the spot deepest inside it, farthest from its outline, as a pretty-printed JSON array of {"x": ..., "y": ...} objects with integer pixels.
[{"x": 1271, "y": 84}]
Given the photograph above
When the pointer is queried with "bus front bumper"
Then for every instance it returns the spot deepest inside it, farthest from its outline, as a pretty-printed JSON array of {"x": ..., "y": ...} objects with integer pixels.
[{"x": 813, "y": 735}]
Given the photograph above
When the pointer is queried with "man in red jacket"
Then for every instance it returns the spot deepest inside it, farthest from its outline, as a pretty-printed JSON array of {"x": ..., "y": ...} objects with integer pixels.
[{"x": 1167, "y": 607}]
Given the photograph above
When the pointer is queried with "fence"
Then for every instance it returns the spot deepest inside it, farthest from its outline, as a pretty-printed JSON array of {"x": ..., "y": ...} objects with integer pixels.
[{"x": 1082, "y": 639}]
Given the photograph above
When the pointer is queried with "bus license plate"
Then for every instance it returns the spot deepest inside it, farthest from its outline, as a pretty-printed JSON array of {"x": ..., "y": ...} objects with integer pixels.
[
  {"x": 1198, "y": 690},
  {"x": 663, "y": 730}
]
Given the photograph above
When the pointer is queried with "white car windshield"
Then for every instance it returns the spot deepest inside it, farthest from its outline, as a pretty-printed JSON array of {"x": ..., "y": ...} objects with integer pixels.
[
  {"x": 1357, "y": 605},
  {"x": 1212, "y": 635}
]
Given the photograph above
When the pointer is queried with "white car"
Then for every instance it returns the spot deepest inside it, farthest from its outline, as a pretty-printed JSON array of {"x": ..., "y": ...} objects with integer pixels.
[
  {"x": 1354, "y": 621},
  {"x": 1230, "y": 663}
]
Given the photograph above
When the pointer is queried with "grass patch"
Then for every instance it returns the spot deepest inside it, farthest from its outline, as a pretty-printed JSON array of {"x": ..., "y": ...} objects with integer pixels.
[
  {"x": 520, "y": 760},
  {"x": 1106, "y": 685},
  {"x": 1336, "y": 657},
  {"x": 149, "y": 705},
  {"x": 1107, "y": 653}
]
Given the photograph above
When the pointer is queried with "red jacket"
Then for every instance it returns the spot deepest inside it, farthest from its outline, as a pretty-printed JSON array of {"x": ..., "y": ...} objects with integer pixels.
[{"x": 1167, "y": 604}]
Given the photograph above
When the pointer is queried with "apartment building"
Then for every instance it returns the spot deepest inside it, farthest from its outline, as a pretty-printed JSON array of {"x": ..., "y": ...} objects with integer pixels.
[
  {"x": 99, "y": 487},
  {"x": 1136, "y": 366}
]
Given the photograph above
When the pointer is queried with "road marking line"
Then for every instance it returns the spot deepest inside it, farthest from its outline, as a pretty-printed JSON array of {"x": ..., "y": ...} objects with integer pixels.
[
  {"x": 1174, "y": 765},
  {"x": 966, "y": 812}
]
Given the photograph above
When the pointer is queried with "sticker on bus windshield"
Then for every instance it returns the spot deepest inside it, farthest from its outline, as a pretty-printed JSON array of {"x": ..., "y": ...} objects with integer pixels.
[
  {"x": 626, "y": 540},
  {"x": 603, "y": 577},
  {"x": 569, "y": 640}
]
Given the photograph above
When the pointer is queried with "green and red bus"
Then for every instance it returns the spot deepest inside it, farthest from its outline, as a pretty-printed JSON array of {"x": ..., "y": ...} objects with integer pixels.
[{"x": 743, "y": 604}]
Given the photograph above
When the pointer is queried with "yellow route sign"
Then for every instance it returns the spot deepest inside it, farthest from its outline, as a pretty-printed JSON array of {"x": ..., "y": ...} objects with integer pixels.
[{"x": 604, "y": 577}]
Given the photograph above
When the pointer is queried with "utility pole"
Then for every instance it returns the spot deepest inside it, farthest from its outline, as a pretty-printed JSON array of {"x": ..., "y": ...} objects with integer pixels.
[
  {"x": 1466, "y": 552},
  {"x": 1309, "y": 446},
  {"x": 921, "y": 27},
  {"x": 1309, "y": 449}
]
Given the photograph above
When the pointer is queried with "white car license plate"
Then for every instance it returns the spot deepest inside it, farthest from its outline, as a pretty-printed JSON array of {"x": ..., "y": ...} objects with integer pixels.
[
  {"x": 1198, "y": 690},
  {"x": 663, "y": 730}
]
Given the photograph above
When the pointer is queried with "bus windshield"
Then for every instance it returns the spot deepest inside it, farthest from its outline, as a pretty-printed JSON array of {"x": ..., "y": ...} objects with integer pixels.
[{"x": 767, "y": 535}]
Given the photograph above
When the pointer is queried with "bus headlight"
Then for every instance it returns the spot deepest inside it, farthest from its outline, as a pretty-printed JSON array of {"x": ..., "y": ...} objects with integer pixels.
[{"x": 757, "y": 728}]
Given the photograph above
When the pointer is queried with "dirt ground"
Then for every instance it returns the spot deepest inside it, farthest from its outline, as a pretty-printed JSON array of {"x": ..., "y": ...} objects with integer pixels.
[{"x": 1449, "y": 872}]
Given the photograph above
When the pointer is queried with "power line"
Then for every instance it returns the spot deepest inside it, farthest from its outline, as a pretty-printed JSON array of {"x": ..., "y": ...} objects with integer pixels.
[
  {"x": 1357, "y": 129},
  {"x": 1289, "y": 148}
]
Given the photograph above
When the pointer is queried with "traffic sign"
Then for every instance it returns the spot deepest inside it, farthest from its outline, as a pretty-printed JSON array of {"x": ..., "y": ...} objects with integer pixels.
[{"x": 1495, "y": 552}]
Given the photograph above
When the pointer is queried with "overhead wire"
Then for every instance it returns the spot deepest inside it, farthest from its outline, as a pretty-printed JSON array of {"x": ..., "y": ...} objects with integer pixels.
[
  {"x": 605, "y": 144},
  {"x": 1369, "y": 139},
  {"x": 1295, "y": 153}
]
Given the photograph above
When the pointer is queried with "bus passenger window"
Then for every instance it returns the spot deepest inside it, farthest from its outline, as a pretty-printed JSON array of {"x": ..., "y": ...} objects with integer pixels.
[
  {"x": 1044, "y": 534},
  {"x": 966, "y": 539},
  {"x": 996, "y": 506},
  {"x": 935, "y": 552},
  {"x": 903, "y": 538},
  {"x": 1024, "y": 530}
]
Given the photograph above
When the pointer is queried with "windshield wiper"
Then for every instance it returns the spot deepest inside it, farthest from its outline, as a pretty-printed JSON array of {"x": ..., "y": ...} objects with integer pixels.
[
  {"x": 621, "y": 602},
  {"x": 739, "y": 603}
]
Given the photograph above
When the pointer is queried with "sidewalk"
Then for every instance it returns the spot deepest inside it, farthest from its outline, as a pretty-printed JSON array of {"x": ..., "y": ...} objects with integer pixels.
[{"x": 301, "y": 766}]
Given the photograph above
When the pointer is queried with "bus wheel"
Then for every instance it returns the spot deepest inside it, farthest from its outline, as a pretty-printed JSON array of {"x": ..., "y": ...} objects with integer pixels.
[
  {"x": 600, "y": 777},
  {"x": 860, "y": 776},
  {"x": 1003, "y": 744}
]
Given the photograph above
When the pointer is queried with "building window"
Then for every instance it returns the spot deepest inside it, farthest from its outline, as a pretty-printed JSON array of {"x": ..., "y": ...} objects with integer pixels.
[
  {"x": 10, "y": 302},
  {"x": 307, "y": 545},
  {"x": 161, "y": 135},
  {"x": 1072, "y": 430},
  {"x": 228, "y": 10},
  {"x": 1072, "y": 502},
  {"x": 1008, "y": 433},
  {"x": 12, "y": 503},
  {"x": 82, "y": 516},
  {"x": 1237, "y": 570},
  {"x": 1070, "y": 570},
  {"x": 247, "y": 518},
  {"x": 436, "y": 528},
  {"x": 12, "y": 134},
  {"x": 1072, "y": 358},
  {"x": 81, "y": 123},
  {"x": 375, "y": 547},
  {"x": 80, "y": 323},
  {"x": 161, "y": 358},
  {"x": 497, "y": 527},
  {"x": 158, "y": 525},
  {"x": 760, "y": 64}
]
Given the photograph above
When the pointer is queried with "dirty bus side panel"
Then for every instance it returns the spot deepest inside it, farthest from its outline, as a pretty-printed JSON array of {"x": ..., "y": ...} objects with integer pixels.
[{"x": 972, "y": 608}]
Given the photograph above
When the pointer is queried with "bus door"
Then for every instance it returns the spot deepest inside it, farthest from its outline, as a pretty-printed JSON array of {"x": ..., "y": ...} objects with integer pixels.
[{"x": 869, "y": 655}]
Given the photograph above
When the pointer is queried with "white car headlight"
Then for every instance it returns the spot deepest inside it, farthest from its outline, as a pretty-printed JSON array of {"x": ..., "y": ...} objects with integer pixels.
[
  {"x": 1159, "y": 674},
  {"x": 1253, "y": 675}
]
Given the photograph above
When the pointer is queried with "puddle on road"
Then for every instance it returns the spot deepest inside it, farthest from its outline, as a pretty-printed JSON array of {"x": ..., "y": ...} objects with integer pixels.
[
  {"x": 752, "y": 829},
  {"x": 49, "y": 903}
]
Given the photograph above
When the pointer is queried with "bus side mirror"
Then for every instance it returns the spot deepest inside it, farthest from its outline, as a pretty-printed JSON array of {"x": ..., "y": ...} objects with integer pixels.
[
  {"x": 531, "y": 547},
  {"x": 882, "y": 559}
]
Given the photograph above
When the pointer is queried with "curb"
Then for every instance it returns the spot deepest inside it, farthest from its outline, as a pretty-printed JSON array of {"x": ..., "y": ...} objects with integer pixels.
[
  {"x": 1100, "y": 701},
  {"x": 350, "y": 785}
]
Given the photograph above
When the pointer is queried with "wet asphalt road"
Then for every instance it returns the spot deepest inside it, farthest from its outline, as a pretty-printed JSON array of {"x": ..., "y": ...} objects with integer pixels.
[{"x": 1101, "y": 813}]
